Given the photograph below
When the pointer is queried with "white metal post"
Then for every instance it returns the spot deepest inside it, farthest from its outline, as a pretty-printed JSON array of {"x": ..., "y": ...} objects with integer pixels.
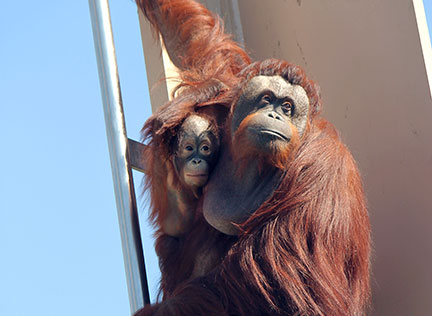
[{"x": 118, "y": 149}]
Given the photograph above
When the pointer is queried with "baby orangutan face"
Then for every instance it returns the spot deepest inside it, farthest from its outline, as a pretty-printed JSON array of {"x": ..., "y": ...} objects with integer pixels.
[{"x": 196, "y": 152}]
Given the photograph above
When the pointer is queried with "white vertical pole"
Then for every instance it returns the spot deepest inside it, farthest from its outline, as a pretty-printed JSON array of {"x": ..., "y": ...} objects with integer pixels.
[{"x": 117, "y": 143}]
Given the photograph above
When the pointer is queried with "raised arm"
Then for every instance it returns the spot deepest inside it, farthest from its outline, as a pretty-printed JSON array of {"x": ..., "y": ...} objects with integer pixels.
[{"x": 195, "y": 39}]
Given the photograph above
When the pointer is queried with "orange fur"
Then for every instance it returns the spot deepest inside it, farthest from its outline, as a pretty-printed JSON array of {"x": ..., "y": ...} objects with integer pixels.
[
  {"x": 243, "y": 149},
  {"x": 319, "y": 231},
  {"x": 306, "y": 250}
]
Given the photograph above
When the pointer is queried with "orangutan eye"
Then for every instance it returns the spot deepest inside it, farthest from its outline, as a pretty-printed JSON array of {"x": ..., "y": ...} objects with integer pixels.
[
  {"x": 189, "y": 148},
  {"x": 287, "y": 108},
  {"x": 266, "y": 98},
  {"x": 205, "y": 149}
]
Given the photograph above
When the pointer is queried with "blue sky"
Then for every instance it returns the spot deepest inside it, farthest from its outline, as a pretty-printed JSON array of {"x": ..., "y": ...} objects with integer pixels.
[{"x": 59, "y": 236}]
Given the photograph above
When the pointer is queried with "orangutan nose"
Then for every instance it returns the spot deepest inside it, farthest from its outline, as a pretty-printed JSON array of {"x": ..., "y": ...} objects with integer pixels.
[
  {"x": 196, "y": 161},
  {"x": 275, "y": 116}
]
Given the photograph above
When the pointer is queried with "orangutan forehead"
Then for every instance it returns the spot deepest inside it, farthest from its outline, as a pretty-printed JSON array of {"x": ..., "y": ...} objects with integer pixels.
[
  {"x": 195, "y": 125},
  {"x": 278, "y": 85}
]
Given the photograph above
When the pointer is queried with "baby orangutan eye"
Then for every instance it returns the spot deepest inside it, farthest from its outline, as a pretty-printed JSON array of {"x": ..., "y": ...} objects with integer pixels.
[{"x": 205, "y": 149}]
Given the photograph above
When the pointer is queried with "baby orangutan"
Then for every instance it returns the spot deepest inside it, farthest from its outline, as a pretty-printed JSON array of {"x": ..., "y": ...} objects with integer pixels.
[{"x": 195, "y": 152}]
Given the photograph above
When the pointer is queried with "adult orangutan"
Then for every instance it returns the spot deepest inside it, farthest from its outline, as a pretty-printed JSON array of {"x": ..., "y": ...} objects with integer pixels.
[{"x": 290, "y": 229}]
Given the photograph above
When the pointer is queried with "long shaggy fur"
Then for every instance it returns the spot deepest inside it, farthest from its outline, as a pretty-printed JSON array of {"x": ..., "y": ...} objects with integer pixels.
[
  {"x": 208, "y": 62},
  {"x": 203, "y": 52},
  {"x": 306, "y": 250}
]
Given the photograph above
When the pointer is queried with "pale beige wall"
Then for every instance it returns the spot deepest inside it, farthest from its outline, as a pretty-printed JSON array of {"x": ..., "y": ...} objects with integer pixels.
[
  {"x": 162, "y": 75},
  {"x": 366, "y": 56}
]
